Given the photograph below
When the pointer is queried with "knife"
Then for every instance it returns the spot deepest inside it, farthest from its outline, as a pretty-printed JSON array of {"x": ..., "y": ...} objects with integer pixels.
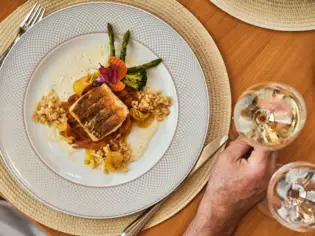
[{"x": 136, "y": 226}]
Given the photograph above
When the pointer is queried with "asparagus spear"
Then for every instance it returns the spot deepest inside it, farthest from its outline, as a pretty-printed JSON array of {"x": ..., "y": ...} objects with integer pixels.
[
  {"x": 111, "y": 39},
  {"x": 144, "y": 66},
  {"x": 124, "y": 44}
]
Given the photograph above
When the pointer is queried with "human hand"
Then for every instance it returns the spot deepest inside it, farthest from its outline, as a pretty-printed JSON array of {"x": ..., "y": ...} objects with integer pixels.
[{"x": 237, "y": 182}]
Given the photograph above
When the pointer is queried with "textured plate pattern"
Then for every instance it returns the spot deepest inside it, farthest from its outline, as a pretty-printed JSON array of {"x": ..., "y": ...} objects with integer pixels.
[{"x": 149, "y": 188}]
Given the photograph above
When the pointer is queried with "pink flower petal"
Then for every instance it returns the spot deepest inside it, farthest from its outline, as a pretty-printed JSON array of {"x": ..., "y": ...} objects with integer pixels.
[
  {"x": 103, "y": 78},
  {"x": 102, "y": 69},
  {"x": 108, "y": 75},
  {"x": 114, "y": 78},
  {"x": 114, "y": 66}
]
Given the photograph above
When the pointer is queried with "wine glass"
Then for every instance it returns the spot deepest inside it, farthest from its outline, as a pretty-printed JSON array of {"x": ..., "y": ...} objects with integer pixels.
[
  {"x": 270, "y": 115},
  {"x": 291, "y": 196}
]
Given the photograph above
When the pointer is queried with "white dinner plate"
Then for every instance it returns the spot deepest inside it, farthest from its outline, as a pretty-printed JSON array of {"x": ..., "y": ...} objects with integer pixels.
[{"x": 60, "y": 179}]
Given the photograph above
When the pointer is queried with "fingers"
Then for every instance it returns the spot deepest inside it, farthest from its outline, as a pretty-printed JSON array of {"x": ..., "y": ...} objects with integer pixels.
[
  {"x": 240, "y": 148},
  {"x": 237, "y": 149},
  {"x": 273, "y": 160},
  {"x": 260, "y": 156}
]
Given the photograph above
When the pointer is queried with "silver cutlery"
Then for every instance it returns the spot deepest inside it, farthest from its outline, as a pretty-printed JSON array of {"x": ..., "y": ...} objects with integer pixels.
[
  {"x": 35, "y": 15},
  {"x": 136, "y": 226}
]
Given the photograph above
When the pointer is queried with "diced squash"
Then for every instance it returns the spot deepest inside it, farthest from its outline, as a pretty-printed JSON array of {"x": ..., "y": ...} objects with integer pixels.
[{"x": 80, "y": 84}]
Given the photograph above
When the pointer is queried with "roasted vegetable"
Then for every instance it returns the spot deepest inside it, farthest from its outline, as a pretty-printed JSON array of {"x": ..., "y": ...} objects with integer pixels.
[
  {"x": 144, "y": 66},
  {"x": 117, "y": 87},
  {"x": 123, "y": 51},
  {"x": 96, "y": 83},
  {"x": 80, "y": 84},
  {"x": 111, "y": 39},
  {"x": 114, "y": 161},
  {"x": 136, "y": 80}
]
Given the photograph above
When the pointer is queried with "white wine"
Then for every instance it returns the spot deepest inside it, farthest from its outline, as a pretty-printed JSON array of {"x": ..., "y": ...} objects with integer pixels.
[
  {"x": 270, "y": 115},
  {"x": 291, "y": 196}
]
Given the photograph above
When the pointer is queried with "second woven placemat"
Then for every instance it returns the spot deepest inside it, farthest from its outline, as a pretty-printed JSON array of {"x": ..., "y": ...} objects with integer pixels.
[{"x": 284, "y": 15}]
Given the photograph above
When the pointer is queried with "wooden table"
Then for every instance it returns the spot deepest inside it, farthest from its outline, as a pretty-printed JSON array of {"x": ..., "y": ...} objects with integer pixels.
[{"x": 251, "y": 55}]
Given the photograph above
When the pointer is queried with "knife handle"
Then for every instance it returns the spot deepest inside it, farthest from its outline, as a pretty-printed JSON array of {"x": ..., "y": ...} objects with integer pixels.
[{"x": 137, "y": 225}]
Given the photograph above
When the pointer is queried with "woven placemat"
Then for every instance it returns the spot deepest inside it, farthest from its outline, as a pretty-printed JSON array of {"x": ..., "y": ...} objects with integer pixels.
[
  {"x": 220, "y": 99},
  {"x": 284, "y": 15}
]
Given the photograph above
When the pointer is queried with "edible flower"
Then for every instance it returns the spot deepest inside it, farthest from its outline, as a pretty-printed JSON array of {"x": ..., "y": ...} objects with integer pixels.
[{"x": 108, "y": 75}]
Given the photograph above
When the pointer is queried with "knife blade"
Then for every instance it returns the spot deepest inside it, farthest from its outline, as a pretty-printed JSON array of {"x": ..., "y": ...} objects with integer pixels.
[{"x": 208, "y": 151}]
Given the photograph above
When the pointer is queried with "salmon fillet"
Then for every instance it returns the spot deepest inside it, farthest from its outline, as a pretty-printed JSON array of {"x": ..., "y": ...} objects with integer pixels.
[{"x": 100, "y": 112}]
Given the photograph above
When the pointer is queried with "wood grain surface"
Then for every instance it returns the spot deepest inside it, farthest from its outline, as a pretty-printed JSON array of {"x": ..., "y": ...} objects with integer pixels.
[{"x": 251, "y": 55}]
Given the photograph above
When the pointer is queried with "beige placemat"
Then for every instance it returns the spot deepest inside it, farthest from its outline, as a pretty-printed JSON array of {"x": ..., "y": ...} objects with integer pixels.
[
  {"x": 285, "y": 15},
  {"x": 220, "y": 99}
]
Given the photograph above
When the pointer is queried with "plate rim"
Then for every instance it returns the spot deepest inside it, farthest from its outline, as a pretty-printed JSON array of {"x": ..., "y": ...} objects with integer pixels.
[{"x": 13, "y": 171}]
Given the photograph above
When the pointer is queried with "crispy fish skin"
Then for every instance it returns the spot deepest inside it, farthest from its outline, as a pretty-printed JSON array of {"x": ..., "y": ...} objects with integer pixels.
[{"x": 100, "y": 112}]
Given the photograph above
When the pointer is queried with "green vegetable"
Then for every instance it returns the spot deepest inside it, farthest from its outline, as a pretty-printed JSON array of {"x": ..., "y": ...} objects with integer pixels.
[
  {"x": 111, "y": 39},
  {"x": 144, "y": 66},
  {"x": 96, "y": 83},
  {"x": 136, "y": 80},
  {"x": 124, "y": 44}
]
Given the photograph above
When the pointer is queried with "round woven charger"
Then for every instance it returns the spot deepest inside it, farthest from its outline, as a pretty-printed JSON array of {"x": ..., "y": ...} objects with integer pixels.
[
  {"x": 220, "y": 99},
  {"x": 285, "y": 15}
]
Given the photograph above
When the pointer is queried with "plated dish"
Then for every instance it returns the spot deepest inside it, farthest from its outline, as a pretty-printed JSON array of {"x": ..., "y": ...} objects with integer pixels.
[
  {"x": 105, "y": 106},
  {"x": 64, "y": 45}
]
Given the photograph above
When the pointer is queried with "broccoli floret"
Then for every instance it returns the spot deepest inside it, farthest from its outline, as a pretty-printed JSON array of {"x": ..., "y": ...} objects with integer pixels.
[{"x": 136, "y": 80}]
